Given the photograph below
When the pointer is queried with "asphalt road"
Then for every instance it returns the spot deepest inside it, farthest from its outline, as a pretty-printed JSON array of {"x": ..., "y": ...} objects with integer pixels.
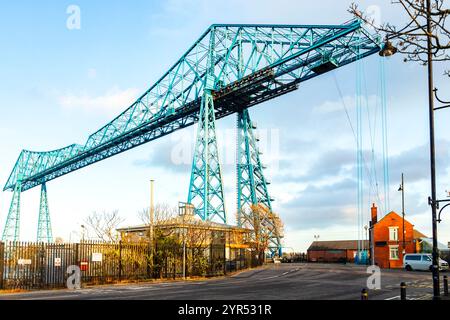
[{"x": 282, "y": 281}]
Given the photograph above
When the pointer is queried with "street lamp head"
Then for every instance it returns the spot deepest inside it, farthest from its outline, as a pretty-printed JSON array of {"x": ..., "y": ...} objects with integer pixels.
[{"x": 388, "y": 49}]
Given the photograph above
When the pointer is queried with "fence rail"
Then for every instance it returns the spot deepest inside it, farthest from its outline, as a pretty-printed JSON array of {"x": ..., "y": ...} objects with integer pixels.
[{"x": 26, "y": 265}]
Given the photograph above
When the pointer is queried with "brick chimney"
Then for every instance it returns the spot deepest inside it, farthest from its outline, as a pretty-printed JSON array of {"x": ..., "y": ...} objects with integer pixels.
[{"x": 374, "y": 214}]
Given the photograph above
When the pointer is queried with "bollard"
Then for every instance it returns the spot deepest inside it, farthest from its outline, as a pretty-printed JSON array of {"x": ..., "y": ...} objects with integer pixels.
[
  {"x": 402, "y": 291},
  {"x": 445, "y": 286},
  {"x": 364, "y": 294}
]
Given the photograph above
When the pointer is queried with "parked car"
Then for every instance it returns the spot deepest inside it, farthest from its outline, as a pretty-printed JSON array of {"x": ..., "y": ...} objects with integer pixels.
[{"x": 421, "y": 261}]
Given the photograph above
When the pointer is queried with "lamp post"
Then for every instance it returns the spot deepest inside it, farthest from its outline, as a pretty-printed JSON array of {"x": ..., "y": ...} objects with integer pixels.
[
  {"x": 402, "y": 189},
  {"x": 184, "y": 250},
  {"x": 389, "y": 50},
  {"x": 366, "y": 250},
  {"x": 182, "y": 211},
  {"x": 83, "y": 228},
  {"x": 151, "y": 212},
  {"x": 433, "y": 203},
  {"x": 446, "y": 104}
]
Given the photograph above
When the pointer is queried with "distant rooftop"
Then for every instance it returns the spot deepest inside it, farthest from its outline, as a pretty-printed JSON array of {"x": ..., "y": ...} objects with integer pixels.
[
  {"x": 183, "y": 220},
  {"x": 337, "y": 245}
]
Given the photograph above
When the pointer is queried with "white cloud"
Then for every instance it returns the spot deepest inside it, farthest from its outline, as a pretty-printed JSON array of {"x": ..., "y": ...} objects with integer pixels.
[{"x": 112, "y": 102}]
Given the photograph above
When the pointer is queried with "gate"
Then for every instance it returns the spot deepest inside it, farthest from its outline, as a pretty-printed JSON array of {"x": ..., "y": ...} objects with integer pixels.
[
  {"x": 2, "y": 258},
  {"x": 28, "y": 265}
]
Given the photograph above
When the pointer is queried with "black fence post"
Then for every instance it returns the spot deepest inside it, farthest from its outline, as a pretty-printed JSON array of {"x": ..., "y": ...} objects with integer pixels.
[
  {"x": 150, "y": 260},
  {"x": 446, "y": 286},
  {"x": 224, "y": 259},
  {"x": 42, "y": 267},
  {"x": 120, "y": 260},
  {"x": 402, "y": 291},
  {"x": 2, "y": 263},
  {"x": 364, "y": 294}
]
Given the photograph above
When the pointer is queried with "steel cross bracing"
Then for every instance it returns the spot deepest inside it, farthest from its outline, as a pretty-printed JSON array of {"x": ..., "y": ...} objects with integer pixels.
[
  {"x": 247, "y": 65},
  {"x": 252, "y": 185},
  {"x": 274, "y": 59},
  {"x": 11, "y": 231},
  {"x": 44, "y": 233},
  {"x": 206, "y": 188}
]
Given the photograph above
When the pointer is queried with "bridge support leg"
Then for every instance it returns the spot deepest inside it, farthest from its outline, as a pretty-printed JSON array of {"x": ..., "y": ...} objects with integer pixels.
[
  {"x": 44, "y": 232},
  {"x": 206, "y": 190},
  {"x": 252, "y": 186},
  {"x": 11, "y": 232}
]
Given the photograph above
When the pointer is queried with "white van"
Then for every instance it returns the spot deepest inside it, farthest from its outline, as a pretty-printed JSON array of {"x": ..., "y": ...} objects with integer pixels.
[{"x": 421, "y": 261}]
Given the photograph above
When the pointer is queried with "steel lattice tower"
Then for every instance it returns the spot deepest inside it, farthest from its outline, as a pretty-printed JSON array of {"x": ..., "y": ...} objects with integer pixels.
[
  {"x": 44, "y": 233},
  {"x": 11, "y": 232},
  {"x": 252, "y": 185},
  {"x": 205, "y": 188}
]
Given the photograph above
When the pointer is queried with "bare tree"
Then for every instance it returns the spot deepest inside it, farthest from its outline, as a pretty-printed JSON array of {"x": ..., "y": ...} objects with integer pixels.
[
  {"x": 104, "y": 225},
  {"x": 265, "y": 224},
  {"x": 59, "y": 240},
  {"x": 163, "y": 213},
  {"x": 198, "y": 235},
  {"x": 411, "y": 37}
]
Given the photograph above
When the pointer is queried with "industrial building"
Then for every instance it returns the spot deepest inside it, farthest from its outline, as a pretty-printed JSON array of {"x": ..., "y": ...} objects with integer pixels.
[
  {"x": 335, "y": 251},
  {"x": 390, "y": 238},
  {"x": 188, "y": 227}
]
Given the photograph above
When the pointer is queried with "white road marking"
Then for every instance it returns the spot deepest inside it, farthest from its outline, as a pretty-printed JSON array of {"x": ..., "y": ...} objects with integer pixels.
[
  {"x": 270, "y": 277},
  {"x": 393, "y": 298}
]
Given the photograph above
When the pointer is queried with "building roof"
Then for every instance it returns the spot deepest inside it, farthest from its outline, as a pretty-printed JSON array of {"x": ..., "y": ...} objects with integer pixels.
[
  {"x": 418, "y": 235},
  {"x": 185, "y": 221},
  {"x": 393, "y": 213},
  {"x": 337, "y": 245}
]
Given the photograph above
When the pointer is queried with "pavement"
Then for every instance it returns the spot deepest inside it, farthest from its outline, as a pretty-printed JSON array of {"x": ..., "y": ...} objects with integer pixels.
[{"x": 296, "y": 281}]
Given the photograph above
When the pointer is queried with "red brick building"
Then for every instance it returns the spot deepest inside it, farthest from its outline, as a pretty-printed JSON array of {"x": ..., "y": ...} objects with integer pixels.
[
  {"x": 389, "y": 247},
  {"x": 335, "y": 251}
]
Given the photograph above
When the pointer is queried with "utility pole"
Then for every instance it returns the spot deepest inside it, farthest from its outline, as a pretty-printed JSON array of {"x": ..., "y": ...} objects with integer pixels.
[
  {"x": 151, "y": 212},
  {"x": 387, "y": 51},
  {"x": 83, "y": 228},
  {"x": 433, "y": 202},
  {"x": 402, "y": 189}
]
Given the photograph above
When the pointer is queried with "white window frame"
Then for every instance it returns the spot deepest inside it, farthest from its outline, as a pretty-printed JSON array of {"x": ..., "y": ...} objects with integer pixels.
[
  {"x": 393, "y": 231},
  {"x": 390, "y": 253}
]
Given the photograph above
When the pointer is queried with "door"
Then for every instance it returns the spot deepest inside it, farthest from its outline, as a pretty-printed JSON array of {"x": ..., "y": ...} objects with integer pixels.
[
  {"x": 426, "y": 262},
  {"x": 414, "y": 261}
]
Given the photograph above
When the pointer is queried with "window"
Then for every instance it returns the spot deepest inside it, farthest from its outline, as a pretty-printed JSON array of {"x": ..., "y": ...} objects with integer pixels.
[
  {"x": 426, "y": 258},
  {"x": 393, "y": 233},
  {"x": 393, "y": 253},
  {"x": 413, "y": 258}
]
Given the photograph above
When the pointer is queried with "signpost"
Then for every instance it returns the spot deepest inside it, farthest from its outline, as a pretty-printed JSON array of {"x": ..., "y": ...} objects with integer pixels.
[
  {"x": 24, "y": 262},
  {"x": 84, "y": 265},
  {"x": 97, "y": 257}
]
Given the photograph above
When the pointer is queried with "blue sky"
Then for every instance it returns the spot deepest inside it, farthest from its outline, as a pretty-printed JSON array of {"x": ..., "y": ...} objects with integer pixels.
[{"x": 58, "y": 85}]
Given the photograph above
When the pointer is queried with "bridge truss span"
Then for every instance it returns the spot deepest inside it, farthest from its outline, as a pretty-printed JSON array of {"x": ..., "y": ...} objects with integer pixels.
[{"x": 229, "y": 69}]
